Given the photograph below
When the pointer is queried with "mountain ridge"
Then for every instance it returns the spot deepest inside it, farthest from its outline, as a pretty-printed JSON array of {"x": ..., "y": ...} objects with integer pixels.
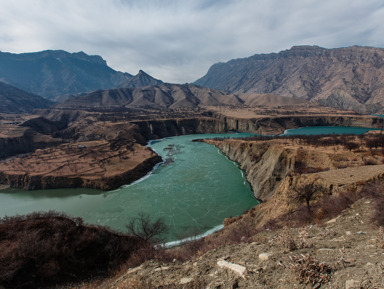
[
  {"x": 14, "y": 100},
  {"x": 53, "y": 73},
  {"x": 310, "y": 72},
  {"x": 162, "y": 96}
]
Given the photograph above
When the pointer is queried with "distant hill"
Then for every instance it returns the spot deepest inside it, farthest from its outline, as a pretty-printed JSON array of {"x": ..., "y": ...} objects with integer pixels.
[
  {"x": 346, "y": 78},
  {"x": 14, "y": 100},
  {"x": 163, "y": 96},
  {"x": 53, "y": 73},
  {"x": 139, "y": 80}
]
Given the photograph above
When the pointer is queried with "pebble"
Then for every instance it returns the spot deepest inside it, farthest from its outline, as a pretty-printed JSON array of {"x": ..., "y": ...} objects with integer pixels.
[
  {"x": 161, "y": 268},
  {"x": 134, "y": 270},
  {"x": 185, "y": 280},
  {"x": 332, "y": 221},
  {"x": 264, "y": 256},
  {"x": 238, "y": 269}
]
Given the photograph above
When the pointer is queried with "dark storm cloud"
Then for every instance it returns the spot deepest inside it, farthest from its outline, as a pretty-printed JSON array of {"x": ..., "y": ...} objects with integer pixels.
[{"x": 177, "y": 41}]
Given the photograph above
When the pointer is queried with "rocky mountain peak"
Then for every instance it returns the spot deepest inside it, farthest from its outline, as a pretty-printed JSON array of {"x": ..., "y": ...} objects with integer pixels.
[
  {"x": 310, "y": 72},
  {"x": 139, "y": 80}
]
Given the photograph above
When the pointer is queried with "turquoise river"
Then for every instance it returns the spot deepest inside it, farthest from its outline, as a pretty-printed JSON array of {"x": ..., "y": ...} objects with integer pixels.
[{"x": 193, "y": 190}]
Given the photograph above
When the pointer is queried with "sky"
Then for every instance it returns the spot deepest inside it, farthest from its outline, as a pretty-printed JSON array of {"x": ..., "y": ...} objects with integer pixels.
[{"x": 178, "y": 40}]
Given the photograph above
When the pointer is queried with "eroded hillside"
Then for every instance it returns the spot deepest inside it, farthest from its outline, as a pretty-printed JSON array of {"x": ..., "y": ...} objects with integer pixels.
[{"x": 346, "y": 78}]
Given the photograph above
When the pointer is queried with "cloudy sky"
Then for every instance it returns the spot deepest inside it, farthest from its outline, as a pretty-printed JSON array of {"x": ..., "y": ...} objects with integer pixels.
[{"x": 178, "y": 40}]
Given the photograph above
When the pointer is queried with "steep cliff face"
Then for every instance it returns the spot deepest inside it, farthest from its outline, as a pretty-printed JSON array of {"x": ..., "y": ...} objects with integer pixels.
[
  {"x": 283, "y": 165},
  {"x": 265, "y": 166},
  {"x": 156, "y": 129}
]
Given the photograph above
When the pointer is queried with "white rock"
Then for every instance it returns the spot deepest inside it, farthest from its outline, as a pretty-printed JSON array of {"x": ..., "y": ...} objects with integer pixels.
[
  {"x": 185, "y": 280},
  {"x": 264, "y": 256},
  {"x": 332, "y": 221},
  {"x": 238, "y": 269},
  {"x": 134, "y": 270},
  {"x": 161, "y": 269}
]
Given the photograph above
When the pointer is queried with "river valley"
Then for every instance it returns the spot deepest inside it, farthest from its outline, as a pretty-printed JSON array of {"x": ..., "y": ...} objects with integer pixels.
[{"x": 194, "y": 190}]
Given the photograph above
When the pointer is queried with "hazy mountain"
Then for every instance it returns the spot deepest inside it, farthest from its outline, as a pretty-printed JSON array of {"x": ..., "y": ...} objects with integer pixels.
[
  {"x": 52, "y": 73},
  {"x": 14, "y": 100},
  {"x": 156, "y": 96},
  {"x": 347, "y": 78},
  {"x": 139, "y": 80}
]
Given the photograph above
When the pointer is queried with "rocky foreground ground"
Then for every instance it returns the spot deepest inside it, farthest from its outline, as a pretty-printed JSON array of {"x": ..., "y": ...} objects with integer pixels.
[{"x": 344, "y": 252}]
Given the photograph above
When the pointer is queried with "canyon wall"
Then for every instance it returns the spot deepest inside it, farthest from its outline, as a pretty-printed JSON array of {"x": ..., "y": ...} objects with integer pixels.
[
  {"x": 270, "y": 167},
  {"x": 155, "y": 129},
  {"x": 265, "y": 166},
  {"x": 277, "y": 125}
]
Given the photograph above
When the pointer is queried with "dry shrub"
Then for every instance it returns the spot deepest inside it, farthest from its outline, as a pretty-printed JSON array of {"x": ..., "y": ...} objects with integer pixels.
[
  {"x": 375, "y": 191},
  {"x": 286, "y": 241},
  {"x": 308, "y": 270},
  {"x": 332, "y": 205},
  {"x": 46, "y": 249}
]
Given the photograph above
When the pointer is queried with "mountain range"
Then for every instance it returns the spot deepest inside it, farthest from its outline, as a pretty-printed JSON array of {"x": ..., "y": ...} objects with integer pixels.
[
  {"x": 162, "y": 96},
  {"x": 350, "y": 78},
  {"x": 14, "y": 100},
  {"x": 53, "y": 73},
  {"x": 346, "y": 78}
]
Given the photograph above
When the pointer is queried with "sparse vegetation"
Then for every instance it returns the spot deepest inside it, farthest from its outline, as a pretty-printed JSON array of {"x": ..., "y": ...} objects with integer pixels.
[
  {"x": 308, "y": 270},
  {"x": 45, "y": 249},
  {"x": 305, "y": 193},
  {"x": 145, "y": 229}
]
